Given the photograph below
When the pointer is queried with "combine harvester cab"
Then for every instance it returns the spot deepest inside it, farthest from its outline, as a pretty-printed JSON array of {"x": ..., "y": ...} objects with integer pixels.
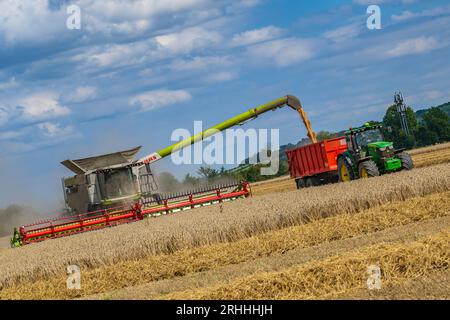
[{"x": 106, "y": 181}]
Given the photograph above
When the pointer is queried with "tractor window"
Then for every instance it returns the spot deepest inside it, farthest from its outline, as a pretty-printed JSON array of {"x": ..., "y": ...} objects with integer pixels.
[{"x": 369, "y": 136}]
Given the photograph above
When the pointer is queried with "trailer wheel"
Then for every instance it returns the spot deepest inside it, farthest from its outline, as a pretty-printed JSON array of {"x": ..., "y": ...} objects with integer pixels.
[
  {"x": 312, "y": 182},
  {"x": 345, "y": 170},
  {"x": 405, "y": 158},
  {"x": 300, "y": 183},
  {"x": 368, "y": 169}
]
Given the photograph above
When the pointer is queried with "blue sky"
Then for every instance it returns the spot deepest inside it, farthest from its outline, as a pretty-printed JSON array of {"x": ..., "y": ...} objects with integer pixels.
[{"x": 139, "y": 69}]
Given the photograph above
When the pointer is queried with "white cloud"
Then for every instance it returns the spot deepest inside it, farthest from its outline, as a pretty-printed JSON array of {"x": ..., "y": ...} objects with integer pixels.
[
  {"x": 117, "y": 9},
  {"x": 40, "y": 106},
  {"x": 35, "y": 136},
  {"x": 151, "y": 100},
  {"x": 82, "y": 94},
  {"x": 408, "y": 15},
  {"x": 377, "y": 2},
  {"x": 405, "y": 15},
  {"x": 200, "y": 63},
  {"x": 147, "y": 72},
  {"x": 51, "y": 130},
  {"x": 249, "y": 3},
  {"x": 222, "y": 76},
  {"x": 131, "y": 27},
  {"x": 8, "y": 135},
  {"x": 11, "y": 83},
  {"x": 29, "y": 21},
  {"x": 255, "y": 36},
  {"x": 344, "y": 33},
  {"x": 116, "y": 55},
  {"x": 283, "y": 52},
  {"x": 187, "y": 40},
  {"x": 150, "y": 50},
  {"x": 414, "y": 46},
  {"x": 35, "y": 21}
]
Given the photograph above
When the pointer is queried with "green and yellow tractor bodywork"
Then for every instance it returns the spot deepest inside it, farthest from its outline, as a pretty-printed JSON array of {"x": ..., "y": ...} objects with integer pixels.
[{"x": 368, "y": 155}]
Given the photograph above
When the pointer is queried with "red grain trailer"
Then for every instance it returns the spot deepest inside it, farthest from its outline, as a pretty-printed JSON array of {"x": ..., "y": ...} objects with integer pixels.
[{"x": 316, "y": 163}]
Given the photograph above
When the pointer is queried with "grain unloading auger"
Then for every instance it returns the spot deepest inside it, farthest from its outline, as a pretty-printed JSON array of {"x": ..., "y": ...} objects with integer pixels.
[{"x": 113, "y": 189}]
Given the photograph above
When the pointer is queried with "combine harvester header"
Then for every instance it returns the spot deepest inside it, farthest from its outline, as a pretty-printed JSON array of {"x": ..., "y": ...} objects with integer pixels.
[
  {"x": 65, "y": 226},
  {"x": 113, "y": 189}
]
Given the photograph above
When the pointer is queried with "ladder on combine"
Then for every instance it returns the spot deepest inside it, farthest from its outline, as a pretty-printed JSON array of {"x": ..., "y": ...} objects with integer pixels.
[{"x": 66, "y": 226}]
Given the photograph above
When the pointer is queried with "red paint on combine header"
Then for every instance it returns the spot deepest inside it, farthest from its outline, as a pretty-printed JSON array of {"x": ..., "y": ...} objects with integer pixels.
[{"x": 66, "y": 226}]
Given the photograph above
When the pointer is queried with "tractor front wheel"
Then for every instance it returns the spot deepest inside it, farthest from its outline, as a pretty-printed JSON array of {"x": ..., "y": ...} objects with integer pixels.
[
  {"x": 405, "y": 158},
  {"x": 345, "y": 170},
  {"x": 368, "y": 169}
]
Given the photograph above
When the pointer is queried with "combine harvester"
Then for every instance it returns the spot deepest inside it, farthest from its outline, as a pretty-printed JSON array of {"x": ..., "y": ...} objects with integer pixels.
[{"x": 113, "y": 189}]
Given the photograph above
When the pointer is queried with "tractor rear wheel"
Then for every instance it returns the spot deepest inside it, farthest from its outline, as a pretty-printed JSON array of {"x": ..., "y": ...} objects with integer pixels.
[
  {"x": 300, "y": 183},
  {"x": 345, "y": 170},
  {"x": 368, "y": 169},
  {"x": 405, "y": 158},
  {"x": 312, "y": 182}
]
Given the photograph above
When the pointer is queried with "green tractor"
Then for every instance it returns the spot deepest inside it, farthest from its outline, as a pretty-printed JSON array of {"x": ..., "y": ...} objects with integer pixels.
[
  {"x": 16, "y": 240},
  {"x": 368, "y": 155}
]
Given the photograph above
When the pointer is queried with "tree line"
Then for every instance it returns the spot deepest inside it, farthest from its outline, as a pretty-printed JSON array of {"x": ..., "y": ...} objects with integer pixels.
[{"x": 432, "y": 127}]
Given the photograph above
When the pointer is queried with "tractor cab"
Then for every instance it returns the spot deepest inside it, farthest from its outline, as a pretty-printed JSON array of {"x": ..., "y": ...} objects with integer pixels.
[
  {"x": 369, "y": 155},
  {"x": 368, "y": 142}
]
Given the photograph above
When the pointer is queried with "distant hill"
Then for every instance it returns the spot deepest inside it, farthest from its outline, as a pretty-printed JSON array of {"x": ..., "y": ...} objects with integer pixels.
[{"x": 444, "y": 107}]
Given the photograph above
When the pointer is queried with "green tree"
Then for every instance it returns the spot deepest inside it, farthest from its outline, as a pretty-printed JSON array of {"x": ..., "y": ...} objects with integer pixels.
[
  {"x": 426, "y": 137},
  {"x": 284, "y": 168},
  {"x": 437, "y": 122},
  {"x": 325, "y": 135},
  {"x": 252, "y": 174},
  {"x": 393, "y": 130},
  {"x": 208, "y": 172}
]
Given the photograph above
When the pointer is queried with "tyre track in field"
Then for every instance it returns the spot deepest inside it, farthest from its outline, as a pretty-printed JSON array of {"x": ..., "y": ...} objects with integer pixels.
[
  {"x": 434, "y": 286},
  {"x": 278, "y": 262}
]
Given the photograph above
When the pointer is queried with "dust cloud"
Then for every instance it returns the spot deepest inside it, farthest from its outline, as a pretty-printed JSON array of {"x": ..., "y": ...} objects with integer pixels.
[{"x": 15, "y": 216}]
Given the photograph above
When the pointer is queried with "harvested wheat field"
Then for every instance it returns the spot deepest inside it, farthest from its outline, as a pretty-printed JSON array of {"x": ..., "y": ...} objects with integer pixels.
[
  {"x": 430, "y": 149},
  {"x": 302, "y": 244}
]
